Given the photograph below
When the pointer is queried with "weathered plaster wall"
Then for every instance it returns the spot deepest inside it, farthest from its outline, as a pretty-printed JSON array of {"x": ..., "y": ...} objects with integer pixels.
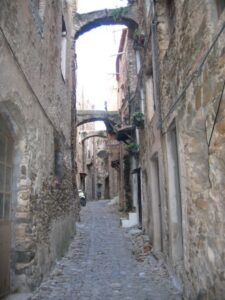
[{"x": 34, "y": 99}]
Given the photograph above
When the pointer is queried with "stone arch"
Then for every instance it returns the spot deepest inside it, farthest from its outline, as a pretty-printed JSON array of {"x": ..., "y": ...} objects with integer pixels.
[
  {"x": 110, "y": 118},
  {"x": 122, "y": 16},
  {"x": 109, "y": 123},
  {"x": 12, "y": 117},
  {"x": 90, "y": 120},
  {"x": 94, "y": 135}
]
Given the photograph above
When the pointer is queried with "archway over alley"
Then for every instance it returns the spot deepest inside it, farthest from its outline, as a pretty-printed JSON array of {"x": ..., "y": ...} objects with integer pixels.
[{"x": 119, "y": 16}]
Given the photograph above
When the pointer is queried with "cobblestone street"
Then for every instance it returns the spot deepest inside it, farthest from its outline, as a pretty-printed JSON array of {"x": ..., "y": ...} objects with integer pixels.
[{"x": 100, "y": 265}]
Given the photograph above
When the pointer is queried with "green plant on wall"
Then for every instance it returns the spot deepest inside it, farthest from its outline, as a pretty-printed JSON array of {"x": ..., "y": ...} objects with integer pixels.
[
  {"x": 137, "y": 119},
  {"x": 117, "y": 12},
  {"x": 132, "y": 148}
]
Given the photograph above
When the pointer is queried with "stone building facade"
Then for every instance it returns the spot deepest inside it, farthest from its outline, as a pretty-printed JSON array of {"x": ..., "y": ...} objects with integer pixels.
[
  {"x": 37, "y": 202},
  {"x": 182, "y": 142}
]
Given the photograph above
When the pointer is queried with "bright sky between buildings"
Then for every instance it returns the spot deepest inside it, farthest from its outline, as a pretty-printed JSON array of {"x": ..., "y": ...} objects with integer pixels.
[
  {"x": 92, "y": 5},
  {"x": 96, "y": 58}
]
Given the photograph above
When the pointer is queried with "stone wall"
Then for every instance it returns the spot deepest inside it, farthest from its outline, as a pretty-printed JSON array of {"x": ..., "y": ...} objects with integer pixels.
[
  {"x": 192, "y": 108},
  {"x": 34, "y": 99},
  {"x": 200, "y": 157}
]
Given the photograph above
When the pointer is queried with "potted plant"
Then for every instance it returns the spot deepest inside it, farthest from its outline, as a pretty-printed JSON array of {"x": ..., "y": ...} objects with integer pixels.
[
  {"x": 132, "y": 148},
  {"x": 138, "y": 119}
]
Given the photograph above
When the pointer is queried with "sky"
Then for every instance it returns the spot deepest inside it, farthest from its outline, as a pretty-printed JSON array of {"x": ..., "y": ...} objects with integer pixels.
[
  {"x": 96, "y": 58},
  {"x": 91, "y": 5}
]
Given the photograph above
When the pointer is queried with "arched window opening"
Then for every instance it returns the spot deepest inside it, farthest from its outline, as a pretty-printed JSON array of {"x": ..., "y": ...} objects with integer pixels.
[{"x": 63, "y": 49}]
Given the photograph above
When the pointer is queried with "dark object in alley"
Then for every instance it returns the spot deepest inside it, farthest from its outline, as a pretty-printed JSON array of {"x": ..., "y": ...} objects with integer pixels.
[{"x": 82, "y": 198}]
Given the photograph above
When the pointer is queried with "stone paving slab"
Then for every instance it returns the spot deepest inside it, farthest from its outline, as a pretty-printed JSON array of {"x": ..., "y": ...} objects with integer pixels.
[{"x": 100, "y": 265}]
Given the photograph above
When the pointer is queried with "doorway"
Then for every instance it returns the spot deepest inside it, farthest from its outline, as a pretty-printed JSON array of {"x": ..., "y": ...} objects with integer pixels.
[
  {"x": 139, "y": 196},
  {"x": 174, "y": 193},
  {"x": 138, "y": 193},
  {"x": 6, "y": 150},
  {"x": 156, "y": 205},
  {"x": 107, "y": 188}
]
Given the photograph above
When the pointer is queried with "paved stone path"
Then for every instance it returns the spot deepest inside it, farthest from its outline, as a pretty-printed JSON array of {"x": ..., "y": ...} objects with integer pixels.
[{"x": 100, "y": 266}]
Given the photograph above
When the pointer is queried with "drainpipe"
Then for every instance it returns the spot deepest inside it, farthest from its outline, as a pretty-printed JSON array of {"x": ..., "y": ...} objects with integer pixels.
[{"x": 155, "y": 66}]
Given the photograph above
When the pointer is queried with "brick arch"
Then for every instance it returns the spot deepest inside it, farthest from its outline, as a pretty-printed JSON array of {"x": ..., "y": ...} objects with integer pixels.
[{"x": 86, "y": 22}]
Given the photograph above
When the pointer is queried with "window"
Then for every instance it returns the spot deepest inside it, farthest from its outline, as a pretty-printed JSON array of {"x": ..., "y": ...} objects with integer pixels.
[
  {"x": 142, "y": 100},
  {"x": 220, "y": 4},
  {"x": 58, "y": 163},
  {"x": 63, "y": 49},
  {"x": 147, "y": 7},
  {"x": 174, "y": 193},
  {"x": 41, "y": 4},
  {"x": 138, "y": 61},
  {"x": 171, "y": 11},
  {"x": 6, "y": 150}
]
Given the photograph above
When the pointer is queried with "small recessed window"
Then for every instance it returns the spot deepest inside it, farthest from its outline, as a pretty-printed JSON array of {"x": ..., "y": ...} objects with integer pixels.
[
  {"x": 171, "y": 10},
  {"x": 41, "y": 4},
  {"x": 63, "y": 49},
  {"x": 147, "y": 7},
  {"x": 220, "y": 6}
]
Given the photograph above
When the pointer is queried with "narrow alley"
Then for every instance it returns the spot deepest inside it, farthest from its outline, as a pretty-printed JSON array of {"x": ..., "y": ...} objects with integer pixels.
[
  {"x": 100, "y": 264},
  {"x": 121, "y": 100}
]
